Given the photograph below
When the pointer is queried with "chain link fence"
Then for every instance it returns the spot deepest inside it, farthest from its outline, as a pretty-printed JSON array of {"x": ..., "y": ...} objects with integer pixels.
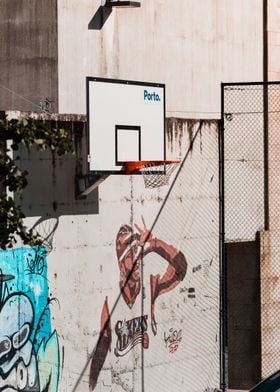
[
  {"x": 250, "y": 191},
  {"x": 244, "y": 162},
  {"x": 190, "y": 217}
]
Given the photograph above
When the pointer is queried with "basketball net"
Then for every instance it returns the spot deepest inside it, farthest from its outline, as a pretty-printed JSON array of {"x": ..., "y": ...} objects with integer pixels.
[
  {"x": 45, "y": 228},
  {"x": 155, "y": 173}
]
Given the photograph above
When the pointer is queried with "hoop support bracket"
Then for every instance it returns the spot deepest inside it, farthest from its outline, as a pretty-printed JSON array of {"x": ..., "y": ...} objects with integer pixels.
[
  {"x": 123, "y": 3},
  {"x": 87, "y": 184}
]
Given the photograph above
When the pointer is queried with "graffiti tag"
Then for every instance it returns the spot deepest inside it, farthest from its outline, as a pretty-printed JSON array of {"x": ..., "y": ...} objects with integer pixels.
[
  {"x": 197, "y": 268},
  {"x": 189, "y": 290},
  {"x": 35, "y": 263},
  {"x": 172, "y": 339},
  {"x": 130, "y": 333}
]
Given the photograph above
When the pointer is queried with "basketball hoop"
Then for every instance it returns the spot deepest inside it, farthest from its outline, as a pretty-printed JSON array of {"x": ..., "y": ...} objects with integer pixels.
[{"x": 155, "y": 173}]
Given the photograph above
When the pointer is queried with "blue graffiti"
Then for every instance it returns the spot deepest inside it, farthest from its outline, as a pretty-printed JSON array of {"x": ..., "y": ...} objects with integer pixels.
[{"x": 29, "y": 350}]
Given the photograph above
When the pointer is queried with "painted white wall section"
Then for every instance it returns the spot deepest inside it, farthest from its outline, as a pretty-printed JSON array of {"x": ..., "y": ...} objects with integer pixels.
[
  {"x": 125, "y": 294},
  {"x": 190, "y": 46},
  {"x": 185, "y": 339}
]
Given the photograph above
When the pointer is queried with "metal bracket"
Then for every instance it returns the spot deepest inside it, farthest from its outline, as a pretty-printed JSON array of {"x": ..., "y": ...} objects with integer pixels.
[
  {"x": 121, "y": 3},
  {"x": 86, "y": 184}
]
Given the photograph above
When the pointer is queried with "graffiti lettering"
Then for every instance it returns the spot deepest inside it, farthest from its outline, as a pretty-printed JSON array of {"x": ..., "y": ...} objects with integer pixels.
[
  {"x": 172, "y": 339},
  {"x": 130, "y": 333},
  {"x": 35, "y": 263},
  {"x": 29, "y": 352},
  {"x": 206, "y": 267},
  {"x": 190, "y": 291}
]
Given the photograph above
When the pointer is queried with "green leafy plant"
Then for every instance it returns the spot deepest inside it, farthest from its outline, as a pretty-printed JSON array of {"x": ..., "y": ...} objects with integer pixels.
[{"x": 28, "y": 132}]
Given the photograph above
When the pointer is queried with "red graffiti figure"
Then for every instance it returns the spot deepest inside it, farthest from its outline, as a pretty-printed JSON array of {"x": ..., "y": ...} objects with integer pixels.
[{"x": 131, "y": 248}]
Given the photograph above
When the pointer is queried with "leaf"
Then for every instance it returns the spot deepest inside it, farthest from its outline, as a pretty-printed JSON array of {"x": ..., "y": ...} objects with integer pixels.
[{"x": 39, "y": 141}]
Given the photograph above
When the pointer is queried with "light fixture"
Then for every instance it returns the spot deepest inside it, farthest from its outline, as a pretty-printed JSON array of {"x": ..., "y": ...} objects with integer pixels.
[{"x": 120, "y": 3}]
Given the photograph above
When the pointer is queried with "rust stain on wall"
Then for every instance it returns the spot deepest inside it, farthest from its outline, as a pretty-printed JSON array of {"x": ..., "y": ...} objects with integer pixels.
[{"x": 177, "y": 128}]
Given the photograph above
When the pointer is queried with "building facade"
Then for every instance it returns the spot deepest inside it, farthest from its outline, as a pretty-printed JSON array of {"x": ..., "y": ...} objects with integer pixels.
[{"x": 87, "y": 319}]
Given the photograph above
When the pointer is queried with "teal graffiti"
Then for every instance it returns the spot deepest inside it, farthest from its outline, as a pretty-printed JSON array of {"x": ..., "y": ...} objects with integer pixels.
[{"x": 29, "y": 348}]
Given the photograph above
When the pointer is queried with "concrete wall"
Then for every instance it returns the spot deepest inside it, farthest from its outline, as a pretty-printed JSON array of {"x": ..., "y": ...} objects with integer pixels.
[
  {"x": 190, "y": 46},
  {"x": 47, "y": 50},
  {"x": 28, "y": 59},
  {"x": 80, "y": 326},
  {"x": 163, "y": 330}
]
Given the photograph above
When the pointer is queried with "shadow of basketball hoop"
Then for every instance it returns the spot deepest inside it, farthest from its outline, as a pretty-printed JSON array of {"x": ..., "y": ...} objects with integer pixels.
[{"x": 45, "y": 228}]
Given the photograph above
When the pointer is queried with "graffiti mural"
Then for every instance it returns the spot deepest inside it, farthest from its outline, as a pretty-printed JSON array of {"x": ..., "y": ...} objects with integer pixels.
[
  {"x": 131, "y": 248},
  {"x": 29, "y": 350}
]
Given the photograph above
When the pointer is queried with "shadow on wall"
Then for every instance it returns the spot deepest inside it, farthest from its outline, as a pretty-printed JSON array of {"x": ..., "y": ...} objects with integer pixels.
[{"x": 51, "y": 180}]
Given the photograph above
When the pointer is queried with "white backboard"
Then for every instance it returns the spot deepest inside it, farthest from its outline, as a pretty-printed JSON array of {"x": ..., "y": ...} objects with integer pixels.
[{"x": 125, "y": 123}]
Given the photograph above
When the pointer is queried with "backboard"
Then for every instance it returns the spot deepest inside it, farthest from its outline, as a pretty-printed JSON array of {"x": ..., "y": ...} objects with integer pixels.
[{"x": 126, "y": 122}]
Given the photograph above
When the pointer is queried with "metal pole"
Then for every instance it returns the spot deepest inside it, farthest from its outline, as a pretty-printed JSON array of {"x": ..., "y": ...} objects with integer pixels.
[
  {"x": 223, "y": 264},
  {"x": 265, "y": 116}
]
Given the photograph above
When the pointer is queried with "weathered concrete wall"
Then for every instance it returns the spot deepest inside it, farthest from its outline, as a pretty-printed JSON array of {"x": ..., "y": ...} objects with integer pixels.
[
  {"x": 163, "y": 331},
  {"x": 40, "y": 39},
  {"x": 190, "y": 46},
  {"x": 28, "y": 61}
]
